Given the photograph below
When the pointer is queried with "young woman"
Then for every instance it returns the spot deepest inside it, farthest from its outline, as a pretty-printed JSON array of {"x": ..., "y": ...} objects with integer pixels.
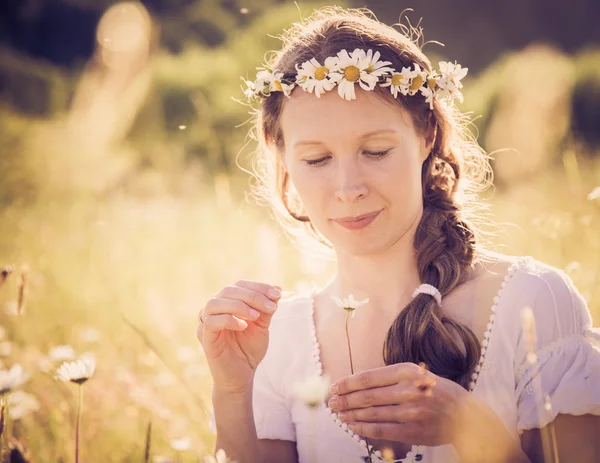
[{"x": 360, "y": 142}]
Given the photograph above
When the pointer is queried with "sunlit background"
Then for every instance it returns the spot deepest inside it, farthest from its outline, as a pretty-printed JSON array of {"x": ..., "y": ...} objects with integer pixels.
[{"x": 123, "y": 196}]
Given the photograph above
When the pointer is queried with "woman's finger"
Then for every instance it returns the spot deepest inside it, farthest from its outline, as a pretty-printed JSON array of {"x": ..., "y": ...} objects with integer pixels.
[
  {"x": 220, "y": 322},
  {"x": 378, "y": 377},
  {"x": 217, "y": 306},
  {"x": 388, "y": 431},
  {"x": 388, "y": 395},
  {"x": 383, "y": 414}
]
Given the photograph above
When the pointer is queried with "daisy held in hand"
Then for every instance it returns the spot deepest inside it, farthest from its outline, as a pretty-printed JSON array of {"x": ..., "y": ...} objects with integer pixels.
[{"x": 365, "y": 68}]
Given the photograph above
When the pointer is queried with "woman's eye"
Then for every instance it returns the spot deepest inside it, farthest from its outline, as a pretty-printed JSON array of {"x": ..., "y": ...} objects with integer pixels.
[
  {"x": 377, "y": 154},
  {"x": 316, "y": 162}
]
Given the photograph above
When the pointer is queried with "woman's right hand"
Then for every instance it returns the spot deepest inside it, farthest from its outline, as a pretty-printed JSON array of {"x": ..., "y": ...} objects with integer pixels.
[{"x": 234, "y": 332}]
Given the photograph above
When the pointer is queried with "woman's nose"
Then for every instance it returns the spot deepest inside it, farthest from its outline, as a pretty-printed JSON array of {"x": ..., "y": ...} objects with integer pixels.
[{"x": 351, "y": 183}]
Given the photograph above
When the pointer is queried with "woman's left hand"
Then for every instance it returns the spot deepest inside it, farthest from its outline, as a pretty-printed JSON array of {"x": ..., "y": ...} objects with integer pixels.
[{"x": 402, "y": 402}]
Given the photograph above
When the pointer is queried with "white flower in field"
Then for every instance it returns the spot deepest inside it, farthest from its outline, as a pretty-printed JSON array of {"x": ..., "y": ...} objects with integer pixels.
[
  {"x": 312, "y": 391},
  {"x": 594, "y": 194},
  {"x": 20, "y": 404},
  {"x": 182, "y": 444},
  {"x": 61, "y": 353},
  {"x": 349, "y": 304},
  {"x": 89, "y": 334},
  {"x": 76, "y": 372},
  {"x": 220, "y": 457},
  {"x": 5, "y": 348},
  {"x": 12, "y": 379},
  {"x": 186, "y": 354},
  {"x": 161, "y": 459}
]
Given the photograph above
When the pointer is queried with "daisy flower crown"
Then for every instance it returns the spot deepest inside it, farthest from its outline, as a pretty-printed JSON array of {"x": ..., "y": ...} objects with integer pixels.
[{"x": 362, "y": 67}]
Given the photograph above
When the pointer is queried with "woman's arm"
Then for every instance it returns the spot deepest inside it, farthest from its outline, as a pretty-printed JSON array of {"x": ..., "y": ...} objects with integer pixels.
[
  {"x": 236, "y": 432},
  {"x": 577, "y": 438}
]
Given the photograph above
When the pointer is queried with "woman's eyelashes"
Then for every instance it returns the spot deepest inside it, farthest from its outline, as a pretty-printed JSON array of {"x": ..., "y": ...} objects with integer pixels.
[{"x": 372, "y": 154}]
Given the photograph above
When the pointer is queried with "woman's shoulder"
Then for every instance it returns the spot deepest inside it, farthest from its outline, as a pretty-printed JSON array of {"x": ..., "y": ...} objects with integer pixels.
[{"x": 558, "y": 307}]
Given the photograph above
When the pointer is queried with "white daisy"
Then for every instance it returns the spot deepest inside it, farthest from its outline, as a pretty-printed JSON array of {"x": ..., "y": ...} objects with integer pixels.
[
  {"x": 267, "y": 82},
  {"x": 361, "y": 67},
  {"x": 77, "y": 372},
  {"x": 312, "y": 391},
  {"x": 20, "y": 404},
  {"x": 450, "y": 81},
  {"x": 12, "y": 379},
  {"x": 312, "y": 75},
  {"x": 349, "y": 304},
  {"x": 61, "y": 353},
  {"x": 220, "y": 457},
  {"x": 418, "y": 77},
  {"x": 374, "y": 66},
  {"x": 182, "y": 444},
  {"x": 430, "y": 88},
  {"x": 399, "y": 82}
]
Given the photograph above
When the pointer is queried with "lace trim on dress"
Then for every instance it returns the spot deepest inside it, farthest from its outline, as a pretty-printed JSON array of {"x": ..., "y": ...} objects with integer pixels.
[{"x": 416, "y": 452}]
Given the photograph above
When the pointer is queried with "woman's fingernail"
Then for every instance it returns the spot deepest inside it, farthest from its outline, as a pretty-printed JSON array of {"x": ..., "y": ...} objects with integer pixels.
[
  {"x": 254, "y": 313},
  {"x": 333, "y": 388},
  {"x": 270, "y": 304},
  {"x": 342, "y": 416},
  {"x": 274, "y": 293},
  {"x": 332, "y": 402},
  {"x": 352, "y": 427}
]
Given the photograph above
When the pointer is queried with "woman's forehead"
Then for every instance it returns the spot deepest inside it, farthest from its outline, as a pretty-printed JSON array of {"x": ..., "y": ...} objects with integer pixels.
[{"x": 305, "y": 116}]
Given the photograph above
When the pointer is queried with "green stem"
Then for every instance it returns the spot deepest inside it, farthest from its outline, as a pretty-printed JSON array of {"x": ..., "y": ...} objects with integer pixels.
[
  {"x": 78, "y": 423},
  {"x": 352, "y": 372}
]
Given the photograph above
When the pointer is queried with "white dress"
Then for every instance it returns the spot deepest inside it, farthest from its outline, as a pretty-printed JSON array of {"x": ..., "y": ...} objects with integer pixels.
[{"x": 567, "y": 368}]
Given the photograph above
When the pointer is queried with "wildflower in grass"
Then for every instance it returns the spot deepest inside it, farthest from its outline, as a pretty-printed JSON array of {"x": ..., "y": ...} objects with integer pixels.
[
  {"x": 61, "y": 353},
  {"x": 89, "y": 335},
  {"x": 12, "y": 379},
  {"x": 77, "y": 372},
  {"x": 594, "y": 194},
  {"x": 312, "y": 391},
  {"x": 220, "y": 457},
  {"x": 182, "y": 444},
  {"x": 5, "y": 348},
  {"x": 9, "y": 381},
  {"x": 21, "y": 404}
]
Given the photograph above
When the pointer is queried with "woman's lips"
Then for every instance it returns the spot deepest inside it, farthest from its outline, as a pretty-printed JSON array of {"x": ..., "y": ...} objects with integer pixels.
[{"x": 358, "y": 224}]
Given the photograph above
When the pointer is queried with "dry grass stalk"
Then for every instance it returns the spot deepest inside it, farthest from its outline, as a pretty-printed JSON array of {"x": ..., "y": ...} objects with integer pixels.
[
  {"x": 148, "y": 441},
  {"x": 21, "y": 286},
  {"x": 547, "y": 434}
]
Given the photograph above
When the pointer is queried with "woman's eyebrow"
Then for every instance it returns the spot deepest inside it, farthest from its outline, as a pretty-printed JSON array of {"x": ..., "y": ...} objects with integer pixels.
[{"x": 362, "y": 137}]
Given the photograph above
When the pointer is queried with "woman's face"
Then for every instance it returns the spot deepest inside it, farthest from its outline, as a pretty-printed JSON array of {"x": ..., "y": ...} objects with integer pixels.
[{"x": 351, "y": 158}]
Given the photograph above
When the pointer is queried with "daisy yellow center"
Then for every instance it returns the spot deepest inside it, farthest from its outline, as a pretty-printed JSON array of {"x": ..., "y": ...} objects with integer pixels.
[
  {"x": 352, "y": 74},
  {"x": 416, "y": 83},
  {"x": 321, "y": 73},
  {"x": 370, "y": 69},
  {"x": 397, "y": 79},
  {"x": 278, "y": 86},
  {"x": 431, "y": 83}
]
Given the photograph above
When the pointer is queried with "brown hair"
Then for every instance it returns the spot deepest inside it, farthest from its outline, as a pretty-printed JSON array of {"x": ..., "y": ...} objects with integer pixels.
[{"x": 455, "y": 170}]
